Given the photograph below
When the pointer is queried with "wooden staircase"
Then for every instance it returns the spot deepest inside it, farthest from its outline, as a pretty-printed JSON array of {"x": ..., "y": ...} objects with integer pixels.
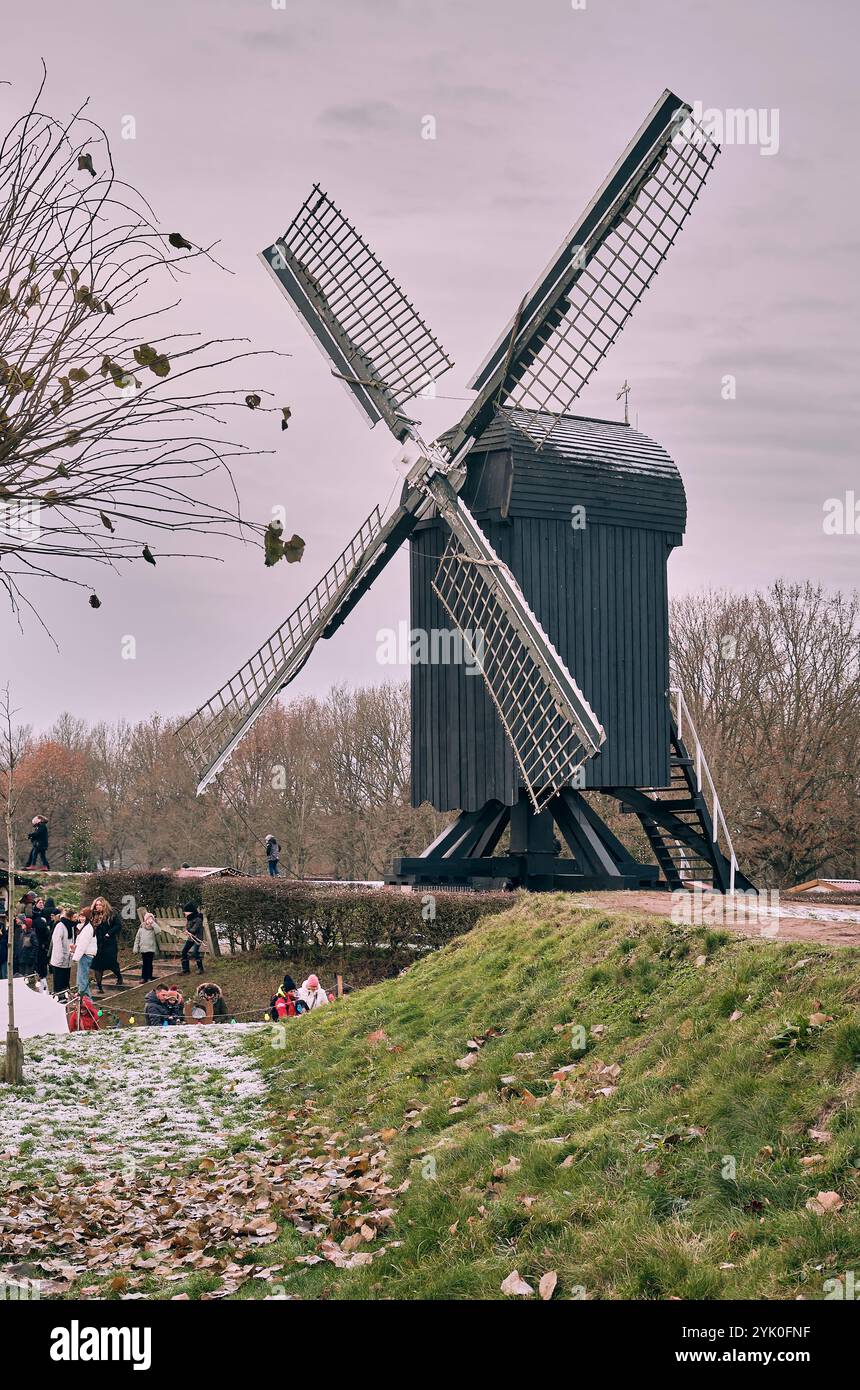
[{"x": 684, "y": 822}]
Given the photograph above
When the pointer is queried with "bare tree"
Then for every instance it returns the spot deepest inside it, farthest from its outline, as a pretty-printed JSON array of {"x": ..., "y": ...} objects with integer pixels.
[
  {"x": 109, "y": 421},
  {"x": 773, "y": 681},
  {"x": 9, "y": 753}
]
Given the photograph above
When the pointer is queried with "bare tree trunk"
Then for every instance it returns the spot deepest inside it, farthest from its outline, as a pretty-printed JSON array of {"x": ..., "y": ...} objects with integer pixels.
[{"x": 14, "y": 1070}]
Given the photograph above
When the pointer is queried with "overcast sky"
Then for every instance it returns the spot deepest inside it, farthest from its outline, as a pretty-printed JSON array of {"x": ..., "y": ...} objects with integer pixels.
[{"x": 239, "y": 107}]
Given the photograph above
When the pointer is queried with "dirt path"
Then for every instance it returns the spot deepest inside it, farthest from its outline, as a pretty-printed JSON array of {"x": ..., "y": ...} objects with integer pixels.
[{"x": 830, "y": 926}]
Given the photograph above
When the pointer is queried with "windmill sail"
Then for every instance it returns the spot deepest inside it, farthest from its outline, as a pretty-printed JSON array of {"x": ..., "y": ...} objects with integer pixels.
[
  {"x": 384, "y": 353},
  {"x": 378, "y": 344},
  {"x": 214, "y": 730},
  {"x": 550, "y": 725},
  {"x": 571, "y": 317}
]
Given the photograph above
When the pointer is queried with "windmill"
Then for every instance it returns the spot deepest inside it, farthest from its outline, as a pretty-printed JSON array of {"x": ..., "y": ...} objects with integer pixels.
[{"x": 516, "y": 749}]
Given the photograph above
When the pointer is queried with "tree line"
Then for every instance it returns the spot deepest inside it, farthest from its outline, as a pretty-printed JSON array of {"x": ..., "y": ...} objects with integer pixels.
[
  {"x": 772, "y": 680},
  {"x": 328, "y": 777}
]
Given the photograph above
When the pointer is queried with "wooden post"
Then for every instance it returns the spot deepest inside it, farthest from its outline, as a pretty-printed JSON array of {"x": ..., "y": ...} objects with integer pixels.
[
  {"x": 14, "y": 1068},
  {"x": 339, "y": 987},
  {"x": 14, "y": 1064}
]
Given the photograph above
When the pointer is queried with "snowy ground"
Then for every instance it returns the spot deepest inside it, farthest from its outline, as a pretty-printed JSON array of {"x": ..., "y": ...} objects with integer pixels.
[{"x": 132, "y": 1097}]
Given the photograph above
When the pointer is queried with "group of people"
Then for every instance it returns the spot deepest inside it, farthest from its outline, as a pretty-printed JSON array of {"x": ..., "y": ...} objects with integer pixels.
[
  {"x": 165, "y": 1006},
  {"x": 146, "y": 942},
  {"x": 47, "y": 937},
  {"x": 291, "y": 999}
]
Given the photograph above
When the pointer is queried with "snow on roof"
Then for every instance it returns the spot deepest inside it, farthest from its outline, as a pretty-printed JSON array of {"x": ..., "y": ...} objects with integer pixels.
[
  {"x": 827, "y": 885},
  {"x": 203, "y": 872}
]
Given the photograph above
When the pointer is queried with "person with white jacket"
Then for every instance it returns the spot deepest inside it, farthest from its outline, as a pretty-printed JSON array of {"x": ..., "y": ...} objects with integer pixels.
[
  {"x": 84, "y": 953},
  {"x": 313, "y": 993},
  {"x": 60, "y": 959}
]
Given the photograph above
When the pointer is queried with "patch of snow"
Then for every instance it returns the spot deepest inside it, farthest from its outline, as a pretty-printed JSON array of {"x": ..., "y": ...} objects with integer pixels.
[
  {"x": 36, "y": 1011},
  {"x": 131, "y": 1097}
]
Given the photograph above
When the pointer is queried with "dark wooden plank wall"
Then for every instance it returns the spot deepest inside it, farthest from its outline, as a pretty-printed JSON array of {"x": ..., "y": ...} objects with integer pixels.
[{"x": 601, "y": 595}]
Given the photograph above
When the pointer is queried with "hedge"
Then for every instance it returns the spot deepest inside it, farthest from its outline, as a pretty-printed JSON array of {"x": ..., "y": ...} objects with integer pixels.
[{"x": 288, "y": 917}]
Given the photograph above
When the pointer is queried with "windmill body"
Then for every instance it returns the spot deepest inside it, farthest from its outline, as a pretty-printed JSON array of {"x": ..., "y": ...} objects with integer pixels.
[
  {"x": 538, "y": 537},
  {"x": 586, "y": 523}
]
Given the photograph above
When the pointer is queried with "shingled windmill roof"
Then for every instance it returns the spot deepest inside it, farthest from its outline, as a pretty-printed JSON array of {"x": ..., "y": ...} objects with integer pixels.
[{"x": 620, "y": 476}]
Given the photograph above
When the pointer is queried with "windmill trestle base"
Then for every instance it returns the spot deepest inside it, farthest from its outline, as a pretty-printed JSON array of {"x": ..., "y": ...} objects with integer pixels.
[
  {"x": 462, "y": 855},
  {"x": 497, "y": 872},
  {"x": 679, "y": 831}
]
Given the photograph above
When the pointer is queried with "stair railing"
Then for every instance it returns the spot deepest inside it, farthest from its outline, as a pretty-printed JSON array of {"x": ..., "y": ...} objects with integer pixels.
[{"x": 704, "y": 781}]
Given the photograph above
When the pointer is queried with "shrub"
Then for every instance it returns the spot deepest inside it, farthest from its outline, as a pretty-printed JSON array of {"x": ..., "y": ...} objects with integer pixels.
[{"x": 288, "y": 917}]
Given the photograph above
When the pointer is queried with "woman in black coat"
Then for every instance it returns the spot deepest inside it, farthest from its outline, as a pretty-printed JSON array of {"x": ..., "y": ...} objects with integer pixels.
[{"x": 107, "y": 927}]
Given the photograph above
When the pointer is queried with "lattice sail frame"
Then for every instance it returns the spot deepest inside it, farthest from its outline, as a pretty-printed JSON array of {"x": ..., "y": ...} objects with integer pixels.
[
  {"x": 213, "y": 731},
  {"x": 377, "y": 342},
  {"x": 551, "y": 727},
  {"x": 614, "y": 279}
]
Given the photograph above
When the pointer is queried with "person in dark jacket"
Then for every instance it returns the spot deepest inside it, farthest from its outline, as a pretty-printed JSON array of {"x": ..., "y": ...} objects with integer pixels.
[
  {"x": 4, "y": 945},
  {"x": 273, "y": 856},
  {"x": 210, "y": 994},
  {"x": 196, "y": 930},
  {"x": 107, "y": 928},
  {"x": 43, "y": 925},
  {"x": 26, "y": 948},
  {"x": 162, "y": 1007},
  {"x": 38, "y": 838}
]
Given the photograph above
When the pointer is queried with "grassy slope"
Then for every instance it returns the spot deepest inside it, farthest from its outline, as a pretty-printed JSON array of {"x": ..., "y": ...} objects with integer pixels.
[{"x": 637, "y": 1211}]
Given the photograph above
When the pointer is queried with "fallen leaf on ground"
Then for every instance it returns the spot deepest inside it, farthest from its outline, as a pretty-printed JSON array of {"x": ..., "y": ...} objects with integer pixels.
[
  {"x": 516, "y": 1286},
  {"x": 825, "y": 1202},
  {"x": 464, "y": 1063}
]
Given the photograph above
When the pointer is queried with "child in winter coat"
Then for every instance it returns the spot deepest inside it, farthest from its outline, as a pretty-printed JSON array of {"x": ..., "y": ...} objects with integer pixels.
[
  {"x": 285, "y": 1004},
  {"x": 163, "y": 1007},
  {"x": 84, "y": 952},
  {"x": 145, "y": 945},
  {"x": 313, "y": 994}
]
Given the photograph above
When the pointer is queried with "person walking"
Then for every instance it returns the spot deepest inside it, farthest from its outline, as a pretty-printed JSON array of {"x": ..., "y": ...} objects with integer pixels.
[
  {"x": 194, "y": 940},
  {"x": 84, "y": 952},
  {"x": 62, "y": 944},
  {"x": 4, "y": 945},
  {"x": 273, "y": 856},
  {"x": 107, "y": 928},
  {"x": 38, "y": 838},
  {"x": 145, "y": 944}
]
